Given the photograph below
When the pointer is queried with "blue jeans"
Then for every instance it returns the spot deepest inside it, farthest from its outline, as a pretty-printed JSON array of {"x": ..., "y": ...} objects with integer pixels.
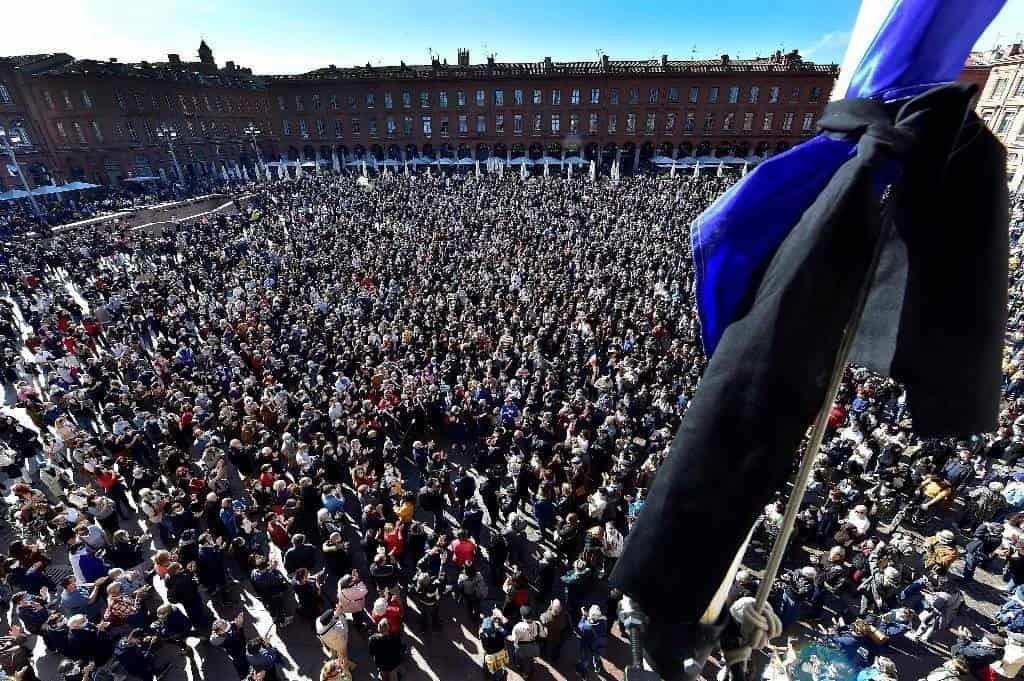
[{"x": 971, "y": 561}]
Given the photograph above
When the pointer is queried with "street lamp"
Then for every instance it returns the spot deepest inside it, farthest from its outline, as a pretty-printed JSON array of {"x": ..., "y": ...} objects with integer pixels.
[
  {"x": 252, "y": 131},
  {"x": 7, "y": 142},
  {"x": 168, "y": 134}
]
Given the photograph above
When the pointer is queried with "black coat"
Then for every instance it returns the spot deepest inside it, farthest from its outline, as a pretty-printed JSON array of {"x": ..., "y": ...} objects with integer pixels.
[
  {"x": 210, "y": 564},
  {"x": 182, "y": 588},
  {"x": 386, "y": 651}
]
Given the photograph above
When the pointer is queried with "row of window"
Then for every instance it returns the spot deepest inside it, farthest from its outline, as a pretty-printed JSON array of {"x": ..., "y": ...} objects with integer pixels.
[
  {"x": 734, "y": 95},
  {"x": 75, "y": 131},
  {"x": 711, "y": 122},
  {"x": 999, "y": 86},
  {"x": 186, "y": 104},
  {"x": 1005, "y": 124},
  {"x": 17, "y": 129}
]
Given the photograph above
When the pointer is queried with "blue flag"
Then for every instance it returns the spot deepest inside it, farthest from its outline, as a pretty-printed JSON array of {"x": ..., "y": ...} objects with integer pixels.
[{"x": 921, "y": 43}]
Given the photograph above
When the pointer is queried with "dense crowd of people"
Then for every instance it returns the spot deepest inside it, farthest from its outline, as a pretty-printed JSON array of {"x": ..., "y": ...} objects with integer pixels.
[{"x": 373, "y": 408}]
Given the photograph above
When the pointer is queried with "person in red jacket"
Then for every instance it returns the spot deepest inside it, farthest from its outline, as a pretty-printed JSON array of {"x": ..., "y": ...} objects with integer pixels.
[
  {"x": 115, "y": 489},
  {"x": 463, "y": 548},
  {"x": 389, "y": 607}
]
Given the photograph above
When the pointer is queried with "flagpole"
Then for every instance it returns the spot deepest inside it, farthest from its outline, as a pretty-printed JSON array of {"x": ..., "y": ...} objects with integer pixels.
[{"x": 821, "y": 421}]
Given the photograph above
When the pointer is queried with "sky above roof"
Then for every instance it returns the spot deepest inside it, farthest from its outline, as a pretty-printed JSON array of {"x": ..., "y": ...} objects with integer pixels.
[{"x": 301, "y": 35}]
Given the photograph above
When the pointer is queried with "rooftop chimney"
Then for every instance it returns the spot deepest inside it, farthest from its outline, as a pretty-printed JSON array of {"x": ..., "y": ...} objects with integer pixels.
[
  {"x": 1014, "y": 49},
  {"x": 725, "y": 60},
  {"x": 463, "y": 56},
  {"x": 490, "y": 60},
  {"x": 435, "y": 61},
  {"x": 547, "y": 64},
  {"x": 604, "y": 61},
  {"x": 229, "y": 66},
  {"x": 113, "y": 60},
  {"x": 664, "y": 60},
  {"x": 174, "y": 59}
]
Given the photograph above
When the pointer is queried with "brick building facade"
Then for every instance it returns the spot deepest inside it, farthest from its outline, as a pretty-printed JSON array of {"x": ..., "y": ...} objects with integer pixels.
[
  {"x": 17, "y": 122},
  {"x": 587, "y": 108},
  {"x": 99, "y": 121},
  {"x": 102, "y": 121}
]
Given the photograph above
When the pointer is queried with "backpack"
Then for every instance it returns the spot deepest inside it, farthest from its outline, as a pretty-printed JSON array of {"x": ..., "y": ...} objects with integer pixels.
[{"x": 528, "y": 650}]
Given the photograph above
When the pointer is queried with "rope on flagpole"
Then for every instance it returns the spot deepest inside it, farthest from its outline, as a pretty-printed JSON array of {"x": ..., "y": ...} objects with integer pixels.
[{"x": 821, "y": 421}]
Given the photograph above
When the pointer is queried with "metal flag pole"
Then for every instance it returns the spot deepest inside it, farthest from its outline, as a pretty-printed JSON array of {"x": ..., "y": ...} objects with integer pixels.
[{"x": 821, "y": 421}]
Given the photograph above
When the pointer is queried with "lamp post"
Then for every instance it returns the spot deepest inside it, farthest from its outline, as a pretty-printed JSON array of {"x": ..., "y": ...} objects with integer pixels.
[
  {"x": 252, "y": 131},
  {"x": 168, "y": 134},
  {"x": 7, "y": 142}
]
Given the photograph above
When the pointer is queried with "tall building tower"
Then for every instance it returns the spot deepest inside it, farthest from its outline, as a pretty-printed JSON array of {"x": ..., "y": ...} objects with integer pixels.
[{"x": 206, "y": 54}]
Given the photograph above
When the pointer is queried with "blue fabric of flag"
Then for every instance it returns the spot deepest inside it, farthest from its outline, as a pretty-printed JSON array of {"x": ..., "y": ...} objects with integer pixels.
[{"x": 922, "y": 43}]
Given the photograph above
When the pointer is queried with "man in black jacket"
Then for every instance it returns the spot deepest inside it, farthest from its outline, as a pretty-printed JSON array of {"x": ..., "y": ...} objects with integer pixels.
[
  {"x": 300, "y": 555},
  {"x": 183, "y": 589}
]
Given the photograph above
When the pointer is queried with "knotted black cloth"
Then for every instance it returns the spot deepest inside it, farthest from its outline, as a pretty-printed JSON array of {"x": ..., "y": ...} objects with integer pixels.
[{"x": 943, "y": 320}]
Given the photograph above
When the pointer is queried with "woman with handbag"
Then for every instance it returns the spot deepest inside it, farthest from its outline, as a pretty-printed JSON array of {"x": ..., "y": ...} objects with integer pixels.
[{"x": 526, "y": 638}]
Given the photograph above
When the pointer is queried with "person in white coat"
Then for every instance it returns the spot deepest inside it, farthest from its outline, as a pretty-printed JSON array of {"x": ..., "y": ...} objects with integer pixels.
[{"x": 332, "y": 630}]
